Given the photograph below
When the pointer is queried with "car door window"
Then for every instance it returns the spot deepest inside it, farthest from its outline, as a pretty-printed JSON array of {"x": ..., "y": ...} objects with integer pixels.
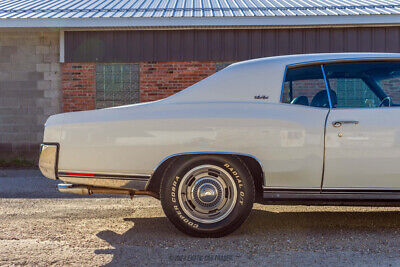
[
  {"x": 364, "y": 84},
  {"x": 305, "y": 86}
]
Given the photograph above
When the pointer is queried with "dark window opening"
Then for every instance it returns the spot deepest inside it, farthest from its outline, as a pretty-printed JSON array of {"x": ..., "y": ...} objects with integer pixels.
[
  {"x": 365, "y": 84},
  {"x": 305, "y": 86}
]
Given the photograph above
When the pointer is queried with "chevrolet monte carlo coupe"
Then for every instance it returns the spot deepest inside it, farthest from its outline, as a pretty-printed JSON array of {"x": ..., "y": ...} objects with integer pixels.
[{"x": 304, "y": 129}]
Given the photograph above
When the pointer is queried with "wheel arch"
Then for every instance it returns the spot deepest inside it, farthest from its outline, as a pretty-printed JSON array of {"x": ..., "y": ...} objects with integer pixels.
[{"x": 252, "y": 163}]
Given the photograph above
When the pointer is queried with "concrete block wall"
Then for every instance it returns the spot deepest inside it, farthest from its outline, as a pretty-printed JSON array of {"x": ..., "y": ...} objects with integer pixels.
[{"x": 30, "y": 89}]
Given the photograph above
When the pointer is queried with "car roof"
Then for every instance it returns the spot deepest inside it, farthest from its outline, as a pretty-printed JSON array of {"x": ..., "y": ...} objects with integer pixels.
[
  {"x": 244, "y": 81},
  {"x": 320, "y": 57}
]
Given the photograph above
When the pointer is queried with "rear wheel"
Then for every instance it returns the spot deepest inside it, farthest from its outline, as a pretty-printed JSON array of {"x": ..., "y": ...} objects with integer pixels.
[{"x": 207, "y": 195}]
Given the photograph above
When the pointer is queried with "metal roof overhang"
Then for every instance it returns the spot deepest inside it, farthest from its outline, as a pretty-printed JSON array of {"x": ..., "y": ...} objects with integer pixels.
[{"x": 203, "y": 22}]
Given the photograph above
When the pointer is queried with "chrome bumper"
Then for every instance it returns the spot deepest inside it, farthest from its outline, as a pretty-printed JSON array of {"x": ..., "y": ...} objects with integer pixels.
[{"x": 48, "y": 160}]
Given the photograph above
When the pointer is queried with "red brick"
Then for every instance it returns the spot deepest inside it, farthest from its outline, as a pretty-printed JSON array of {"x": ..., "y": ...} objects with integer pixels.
[
  {"x": 162, "y": 79},
  {"x": 78, "y": 86}
]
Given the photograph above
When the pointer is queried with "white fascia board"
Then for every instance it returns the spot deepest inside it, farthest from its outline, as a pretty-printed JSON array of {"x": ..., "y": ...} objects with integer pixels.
[
  {"x": 200, "y": 22},
  {"x": 62, "y": 47}
]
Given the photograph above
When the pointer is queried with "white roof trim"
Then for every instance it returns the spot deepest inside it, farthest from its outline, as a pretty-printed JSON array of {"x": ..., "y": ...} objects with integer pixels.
[{"x": 199, "y": 22}]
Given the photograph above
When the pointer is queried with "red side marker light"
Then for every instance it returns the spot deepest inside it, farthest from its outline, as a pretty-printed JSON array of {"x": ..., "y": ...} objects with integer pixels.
[{"x": 80, "y": 174}]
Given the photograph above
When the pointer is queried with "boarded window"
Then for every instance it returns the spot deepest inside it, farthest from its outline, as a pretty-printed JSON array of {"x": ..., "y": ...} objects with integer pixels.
[{"x": 116, "y": 84}]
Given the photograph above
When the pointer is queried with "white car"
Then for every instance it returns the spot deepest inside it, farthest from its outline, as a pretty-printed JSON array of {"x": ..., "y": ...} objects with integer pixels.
[{"x": 320, "y": 128}]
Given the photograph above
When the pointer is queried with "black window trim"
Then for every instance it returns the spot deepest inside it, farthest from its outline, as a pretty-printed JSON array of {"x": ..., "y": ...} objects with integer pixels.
[
  {"x": 301, "y": 65},
  {"x": 323, "y": 63}
]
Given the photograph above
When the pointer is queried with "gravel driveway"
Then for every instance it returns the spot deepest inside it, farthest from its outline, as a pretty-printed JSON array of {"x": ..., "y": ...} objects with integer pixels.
[{"x": 40, "y": 226}]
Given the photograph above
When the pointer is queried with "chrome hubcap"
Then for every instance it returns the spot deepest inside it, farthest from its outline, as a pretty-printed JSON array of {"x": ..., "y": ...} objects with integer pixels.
[{"x": 207, "y": 194}]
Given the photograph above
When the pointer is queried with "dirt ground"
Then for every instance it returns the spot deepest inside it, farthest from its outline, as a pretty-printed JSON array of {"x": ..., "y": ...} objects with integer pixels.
[{"x": 39, "y": 226}]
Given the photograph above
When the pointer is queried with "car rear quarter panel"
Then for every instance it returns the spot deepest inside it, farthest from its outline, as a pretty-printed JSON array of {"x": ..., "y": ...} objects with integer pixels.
[{"x": 286, "y": 139}]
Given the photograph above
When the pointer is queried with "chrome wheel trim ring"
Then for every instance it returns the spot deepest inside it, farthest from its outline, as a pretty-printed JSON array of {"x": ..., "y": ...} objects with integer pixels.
[{"x": 207, "y": 194}]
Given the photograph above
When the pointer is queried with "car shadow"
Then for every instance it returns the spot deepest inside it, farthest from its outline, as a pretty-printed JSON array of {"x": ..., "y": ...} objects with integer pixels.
[{"x": 148, "y": 237}]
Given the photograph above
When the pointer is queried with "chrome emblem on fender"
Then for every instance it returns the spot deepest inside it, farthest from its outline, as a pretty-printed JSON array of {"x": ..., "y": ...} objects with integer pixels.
[{"x": 265, "y": 97}]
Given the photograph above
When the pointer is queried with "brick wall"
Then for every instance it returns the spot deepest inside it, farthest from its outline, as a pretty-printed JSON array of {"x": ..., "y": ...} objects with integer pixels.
[
  {"x": 78, "y": 83},
  {"x": 157, "y": 80},
  {"x": 162, "y": 79},
  {"x": 391, "y": 88},
  {"x": 29, "y": 89}
]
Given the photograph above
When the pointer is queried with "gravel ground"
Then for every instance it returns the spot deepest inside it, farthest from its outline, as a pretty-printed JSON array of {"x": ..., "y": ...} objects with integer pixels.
[{"x": 40, "y": 226}]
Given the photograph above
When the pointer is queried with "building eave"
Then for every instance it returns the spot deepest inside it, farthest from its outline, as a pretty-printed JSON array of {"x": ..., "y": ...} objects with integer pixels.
[{"x": 284, "y": 21}]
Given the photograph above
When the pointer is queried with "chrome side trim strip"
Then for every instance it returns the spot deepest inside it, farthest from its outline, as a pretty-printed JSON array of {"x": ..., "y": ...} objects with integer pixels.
[
  {"x": 294, "y": 189},
  {"x": 333, "y": 189},
  {"x": 276, "y": 196},
  {"x": 133, "y": 184},
  {"x": 336, "y": 194},
  {"x": 362, "y": 189},
  {"x": 104, "y": 176}
]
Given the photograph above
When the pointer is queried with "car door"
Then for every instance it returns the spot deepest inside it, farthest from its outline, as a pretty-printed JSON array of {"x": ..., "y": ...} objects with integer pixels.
[
  {"x": 295, "y": 157},
  {"x": 362, "y": 150}
]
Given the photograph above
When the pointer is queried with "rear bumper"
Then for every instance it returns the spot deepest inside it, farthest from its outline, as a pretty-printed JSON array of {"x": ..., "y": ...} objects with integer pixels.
[
  {"x": 48, "y": 160},
  {"x": 48, "y": 165}
]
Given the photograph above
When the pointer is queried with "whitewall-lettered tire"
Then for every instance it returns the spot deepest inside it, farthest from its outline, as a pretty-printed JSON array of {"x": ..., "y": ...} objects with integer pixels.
[{"x": 207, "y": 195}]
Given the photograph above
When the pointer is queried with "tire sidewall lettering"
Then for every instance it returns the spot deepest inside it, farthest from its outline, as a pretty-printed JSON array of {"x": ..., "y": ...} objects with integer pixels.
[
  {"x": 239, "y": 182},
  {"x": 173, "y": 189},
  {"x": 181, "y": 216}
]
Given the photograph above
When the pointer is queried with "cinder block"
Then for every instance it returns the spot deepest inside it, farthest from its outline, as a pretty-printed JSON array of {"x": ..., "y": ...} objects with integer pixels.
[
  {"x": 5, "y": 75},
  {"x": 50, "y": 111},
  {"x": 17, "y": 75},
  {"x": 5, "y": 58},
  {"x": 43, "y": 85},
  {"x": 20, "y": 93},
  {"x": 43, "y": 67},
  {"x": 41, "y": 119},
  {"x": 56, "y": 84},
  {"x": 51, "y": 93},
  {"x": 45, "y": 102},
  {"x": 27, "y": 85},
  {"x": 12, "y": 67},
  {"x": 21, "y": 58},
  {"x": 51, "y": 76},
  {"x": 42, "y": 49},
  {"x": 8, "y": 49},
  {"x": 27, "y": 49},
  {"x": 35, "y": 76},
  {"x": 49, "y": 58},
  {"x": 19, "y": 40},
  {"x": 55, "y": 67},
  {"x": 57, "y": 103}
]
